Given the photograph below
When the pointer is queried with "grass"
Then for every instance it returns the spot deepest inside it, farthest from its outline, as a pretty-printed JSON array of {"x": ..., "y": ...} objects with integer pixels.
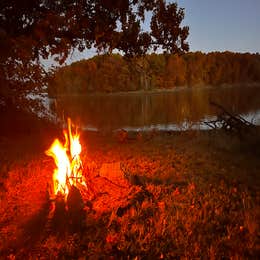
[{"x": 189, "y": 195}]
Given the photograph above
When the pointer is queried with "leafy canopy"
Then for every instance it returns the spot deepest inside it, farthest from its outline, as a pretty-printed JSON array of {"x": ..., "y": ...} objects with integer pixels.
[{"x": 30, "y": 29}]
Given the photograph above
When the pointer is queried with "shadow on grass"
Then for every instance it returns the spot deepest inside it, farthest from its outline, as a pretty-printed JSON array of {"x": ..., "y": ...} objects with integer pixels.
[{"x": 60, "y": 219}]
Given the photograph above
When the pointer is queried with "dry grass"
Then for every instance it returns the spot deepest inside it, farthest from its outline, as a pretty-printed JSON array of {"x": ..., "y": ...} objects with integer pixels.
[{"x": 190, "y": 195}]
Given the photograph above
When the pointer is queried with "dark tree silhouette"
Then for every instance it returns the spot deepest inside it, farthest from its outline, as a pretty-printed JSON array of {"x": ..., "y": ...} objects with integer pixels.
[{"x": 30, "y": 29}]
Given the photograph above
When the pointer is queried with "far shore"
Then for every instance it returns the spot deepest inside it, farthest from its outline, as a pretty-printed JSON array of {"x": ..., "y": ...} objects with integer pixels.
[{"x": 158, "y": 90}]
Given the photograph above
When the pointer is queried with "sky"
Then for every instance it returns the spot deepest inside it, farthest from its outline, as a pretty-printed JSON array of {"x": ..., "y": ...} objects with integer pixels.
[
  {"x": 220, "y": 25},
  {"x": 215, "y": 25}
]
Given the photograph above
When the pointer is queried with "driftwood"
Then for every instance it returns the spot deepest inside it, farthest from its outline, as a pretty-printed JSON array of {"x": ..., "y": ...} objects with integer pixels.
[{"x": 229, "y": 122}]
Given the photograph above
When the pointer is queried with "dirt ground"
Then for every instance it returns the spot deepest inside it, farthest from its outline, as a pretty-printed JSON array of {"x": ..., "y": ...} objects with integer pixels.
[{"x": 192, "y": 194}]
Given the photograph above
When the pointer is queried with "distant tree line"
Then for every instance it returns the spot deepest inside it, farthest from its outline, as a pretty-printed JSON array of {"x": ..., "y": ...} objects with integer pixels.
[{"x": 112, "y": 73}]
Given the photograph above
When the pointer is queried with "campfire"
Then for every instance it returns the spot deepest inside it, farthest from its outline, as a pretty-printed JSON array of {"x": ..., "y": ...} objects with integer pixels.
[
  {"x": 69, "y": 169},
  {"x": 72, "y": 195}
]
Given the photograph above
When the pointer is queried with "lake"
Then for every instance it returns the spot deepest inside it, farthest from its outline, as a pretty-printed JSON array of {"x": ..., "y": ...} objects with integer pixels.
[{"x": 177, "y": 109}]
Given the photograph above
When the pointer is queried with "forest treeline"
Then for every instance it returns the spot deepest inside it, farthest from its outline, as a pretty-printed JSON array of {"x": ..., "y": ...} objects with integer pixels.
[{"x": 112, "y": 73}]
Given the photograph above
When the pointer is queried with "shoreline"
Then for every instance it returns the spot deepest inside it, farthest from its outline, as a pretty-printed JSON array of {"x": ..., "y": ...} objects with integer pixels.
[{"x": 160, "y": 90}]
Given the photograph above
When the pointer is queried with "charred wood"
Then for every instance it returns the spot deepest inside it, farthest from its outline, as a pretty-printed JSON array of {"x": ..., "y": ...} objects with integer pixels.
[{"x": 76, "y": 213}]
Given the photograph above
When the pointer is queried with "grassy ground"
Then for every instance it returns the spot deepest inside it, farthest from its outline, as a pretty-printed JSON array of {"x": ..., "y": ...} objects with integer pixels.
[{"x": 185, "y": 196}]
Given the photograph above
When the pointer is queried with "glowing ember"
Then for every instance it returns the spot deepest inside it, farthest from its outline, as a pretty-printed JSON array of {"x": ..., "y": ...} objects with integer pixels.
[{"x": 68, "y": 162}]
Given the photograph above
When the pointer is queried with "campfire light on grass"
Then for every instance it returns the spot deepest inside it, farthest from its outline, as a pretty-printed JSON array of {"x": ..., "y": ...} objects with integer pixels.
[{"x": 67, "y": 159}]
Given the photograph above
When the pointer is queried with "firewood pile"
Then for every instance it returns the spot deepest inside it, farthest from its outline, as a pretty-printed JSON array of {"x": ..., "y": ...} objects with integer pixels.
[{"x": 230, "y": 123}]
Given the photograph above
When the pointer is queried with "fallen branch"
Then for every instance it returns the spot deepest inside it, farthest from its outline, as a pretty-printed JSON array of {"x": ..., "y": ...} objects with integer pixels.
[{"x": 229, "y": 122}]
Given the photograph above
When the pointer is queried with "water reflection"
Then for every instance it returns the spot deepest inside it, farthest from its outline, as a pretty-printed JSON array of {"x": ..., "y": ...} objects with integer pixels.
[{"x": 182, "y": 108}]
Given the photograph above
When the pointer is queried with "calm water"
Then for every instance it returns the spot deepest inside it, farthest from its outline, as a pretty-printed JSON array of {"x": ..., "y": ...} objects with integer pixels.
[{"x": 181, "y": 109}]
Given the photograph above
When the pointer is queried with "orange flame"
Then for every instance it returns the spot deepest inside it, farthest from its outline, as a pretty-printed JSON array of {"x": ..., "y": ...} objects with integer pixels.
[{"x": 68, "y": 162}]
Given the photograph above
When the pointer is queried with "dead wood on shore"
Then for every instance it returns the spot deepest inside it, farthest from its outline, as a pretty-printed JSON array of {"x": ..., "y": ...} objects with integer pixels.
[{"x": 229, "y": 122}]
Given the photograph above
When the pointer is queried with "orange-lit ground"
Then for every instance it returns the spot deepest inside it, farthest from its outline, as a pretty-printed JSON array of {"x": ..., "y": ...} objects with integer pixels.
[{"x": 192, "y": 194}]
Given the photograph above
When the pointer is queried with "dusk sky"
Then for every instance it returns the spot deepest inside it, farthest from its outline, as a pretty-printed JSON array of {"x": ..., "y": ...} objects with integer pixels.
[
  {"x": 215, "y": 25},
  {"x": 219, "y": 25}
]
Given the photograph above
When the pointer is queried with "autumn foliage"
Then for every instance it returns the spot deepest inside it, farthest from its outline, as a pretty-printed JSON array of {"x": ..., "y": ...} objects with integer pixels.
[{"x": 111, "y": 73}]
